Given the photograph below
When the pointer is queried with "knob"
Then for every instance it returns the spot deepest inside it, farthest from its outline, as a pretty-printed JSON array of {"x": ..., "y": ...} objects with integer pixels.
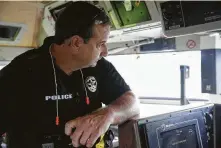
[{"x": 208, "y": 120}]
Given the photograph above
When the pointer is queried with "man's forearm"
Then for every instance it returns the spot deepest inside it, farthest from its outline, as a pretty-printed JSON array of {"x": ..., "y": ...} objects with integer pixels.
[{"x": 124, "y": 108}]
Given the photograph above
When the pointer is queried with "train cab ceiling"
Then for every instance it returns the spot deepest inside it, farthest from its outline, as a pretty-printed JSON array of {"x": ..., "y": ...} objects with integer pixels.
[
  {"x": 130, "y": 20},
  {"x": 24, "y": 25}
]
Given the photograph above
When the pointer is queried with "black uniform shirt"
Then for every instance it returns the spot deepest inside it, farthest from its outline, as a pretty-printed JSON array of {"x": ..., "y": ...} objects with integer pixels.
[{"x": 28, "y": 95}]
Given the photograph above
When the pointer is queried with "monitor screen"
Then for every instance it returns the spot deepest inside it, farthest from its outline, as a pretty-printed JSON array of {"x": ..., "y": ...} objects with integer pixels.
[
  {"x": 184, "y": 137},
  {"x": 138, "y": 12}
]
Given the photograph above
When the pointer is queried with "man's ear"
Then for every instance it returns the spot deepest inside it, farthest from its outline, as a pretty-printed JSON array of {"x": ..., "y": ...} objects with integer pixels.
[{"x": 76, "y": 42}]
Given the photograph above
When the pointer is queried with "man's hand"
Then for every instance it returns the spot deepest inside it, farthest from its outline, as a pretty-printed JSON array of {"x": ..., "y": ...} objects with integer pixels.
[{"x": 89, "y": 128}]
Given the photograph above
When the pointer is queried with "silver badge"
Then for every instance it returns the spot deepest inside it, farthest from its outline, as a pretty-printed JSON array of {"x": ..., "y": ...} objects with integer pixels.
[
  {"x": 91, "y": 83},
  {"x": 48, "y": 145}
]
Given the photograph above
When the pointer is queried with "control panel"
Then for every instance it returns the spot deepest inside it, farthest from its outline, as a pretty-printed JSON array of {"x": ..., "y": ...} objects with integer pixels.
[
  {"x": 193, "y": 127},
  {"x": 188, "y": 17}
]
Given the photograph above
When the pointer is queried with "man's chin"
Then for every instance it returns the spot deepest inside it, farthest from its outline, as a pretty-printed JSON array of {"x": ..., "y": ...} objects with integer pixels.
[{"x": 94, "y": 64}]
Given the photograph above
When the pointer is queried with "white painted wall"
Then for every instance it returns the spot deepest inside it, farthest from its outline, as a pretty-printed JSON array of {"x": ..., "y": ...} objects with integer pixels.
[
  {"x": 9, "y": 53},
  {"x": 188, "y": 42}
]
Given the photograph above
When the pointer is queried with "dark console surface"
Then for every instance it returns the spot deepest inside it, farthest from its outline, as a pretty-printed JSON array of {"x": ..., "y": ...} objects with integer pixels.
[{"x": 190, "y": 128}]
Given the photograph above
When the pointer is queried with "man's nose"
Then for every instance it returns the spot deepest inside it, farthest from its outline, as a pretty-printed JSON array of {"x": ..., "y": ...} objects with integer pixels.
[{"x": 104, "y": 52}]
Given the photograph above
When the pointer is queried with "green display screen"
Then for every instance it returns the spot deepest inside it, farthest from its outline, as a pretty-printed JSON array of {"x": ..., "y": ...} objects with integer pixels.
[{"x": 138, "y": 13}]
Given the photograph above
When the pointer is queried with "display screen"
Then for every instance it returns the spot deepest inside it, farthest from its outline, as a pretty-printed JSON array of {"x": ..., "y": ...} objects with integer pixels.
[
  {"x": 206, "y": 12},
  {"x": 137, "y": 13},
  {"x": 178, "y": 14},
  {"x": 185, "y": 137}
]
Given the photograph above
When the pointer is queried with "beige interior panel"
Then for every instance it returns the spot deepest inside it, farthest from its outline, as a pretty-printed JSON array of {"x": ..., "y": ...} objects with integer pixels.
[{"x": 29, "y": 13}]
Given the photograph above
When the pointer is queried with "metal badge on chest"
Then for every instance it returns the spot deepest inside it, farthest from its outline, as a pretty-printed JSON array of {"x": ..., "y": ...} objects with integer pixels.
[{"x": 91, "y": 83}]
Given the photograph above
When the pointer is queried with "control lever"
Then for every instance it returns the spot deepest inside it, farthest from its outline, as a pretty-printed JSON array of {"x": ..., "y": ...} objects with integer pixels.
[{"x": 209, "y": 120}]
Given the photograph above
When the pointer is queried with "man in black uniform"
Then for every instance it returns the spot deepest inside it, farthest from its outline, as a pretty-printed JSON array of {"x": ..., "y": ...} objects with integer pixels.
[{"x": 57, "y": 90}]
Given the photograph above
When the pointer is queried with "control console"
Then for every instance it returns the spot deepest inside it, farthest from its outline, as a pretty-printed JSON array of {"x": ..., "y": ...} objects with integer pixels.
[{"x": 190, "y": 128}]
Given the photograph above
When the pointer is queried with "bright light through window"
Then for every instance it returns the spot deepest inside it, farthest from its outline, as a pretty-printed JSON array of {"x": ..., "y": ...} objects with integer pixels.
[{"x": 158, "y": 74}]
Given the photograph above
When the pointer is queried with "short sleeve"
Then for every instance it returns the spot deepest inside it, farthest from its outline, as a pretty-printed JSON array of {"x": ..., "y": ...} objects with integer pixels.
[
  {"x": 12, "y": 81},
  {"x": 111, "y": 84},
  {"x": 6, "y": 84}
]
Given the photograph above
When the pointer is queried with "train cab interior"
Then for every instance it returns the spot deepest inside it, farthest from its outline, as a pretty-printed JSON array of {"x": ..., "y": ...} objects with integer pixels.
[{"x": 167, "y": 51}]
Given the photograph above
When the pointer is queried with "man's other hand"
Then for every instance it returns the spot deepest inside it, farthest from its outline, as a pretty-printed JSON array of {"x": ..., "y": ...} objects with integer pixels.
[{"x": 89, "y": 128}]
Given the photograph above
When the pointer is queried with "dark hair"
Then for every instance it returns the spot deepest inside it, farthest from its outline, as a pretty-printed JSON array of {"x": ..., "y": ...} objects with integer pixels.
[{"x": 78, "y": 18}]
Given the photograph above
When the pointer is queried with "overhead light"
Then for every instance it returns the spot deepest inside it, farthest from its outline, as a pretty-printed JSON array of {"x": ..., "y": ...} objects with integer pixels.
[{"x": 214, "y": 34}]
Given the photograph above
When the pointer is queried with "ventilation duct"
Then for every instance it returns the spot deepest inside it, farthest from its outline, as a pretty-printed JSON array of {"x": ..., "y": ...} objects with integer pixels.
[{"x": 11, "y": 33}]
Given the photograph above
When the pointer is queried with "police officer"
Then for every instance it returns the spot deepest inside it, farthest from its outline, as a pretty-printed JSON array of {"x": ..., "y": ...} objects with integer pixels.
[{"x": 57, "y": 90}]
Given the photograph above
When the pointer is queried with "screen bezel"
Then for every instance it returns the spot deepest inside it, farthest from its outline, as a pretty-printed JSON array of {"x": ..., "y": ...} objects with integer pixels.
[
  {"x": 170, "y": 127},
  {"x": 184, "y": 31}
]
